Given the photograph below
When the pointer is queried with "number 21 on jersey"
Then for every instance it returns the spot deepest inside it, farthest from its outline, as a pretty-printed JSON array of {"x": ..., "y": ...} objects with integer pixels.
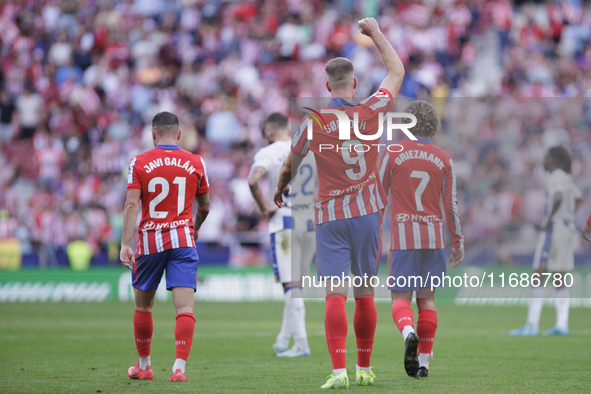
[{"x": 180, "y": 181}]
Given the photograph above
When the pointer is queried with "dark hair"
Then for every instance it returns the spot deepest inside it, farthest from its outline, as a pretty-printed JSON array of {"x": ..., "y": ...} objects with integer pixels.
[
  {"x": 276, "y": 121},
  {"x": 562, "y": 157},
  {"x": 428, "y": 121},
  {"x": 166, "y": 122}
]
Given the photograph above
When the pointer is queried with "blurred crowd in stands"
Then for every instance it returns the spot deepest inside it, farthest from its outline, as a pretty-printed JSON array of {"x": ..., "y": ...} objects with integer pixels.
[{"x": 80, "y": 81}]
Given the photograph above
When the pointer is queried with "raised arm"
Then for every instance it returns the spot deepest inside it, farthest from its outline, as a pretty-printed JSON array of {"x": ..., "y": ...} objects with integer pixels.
[
  {"x": 392, "y": 63},
  {"x": 130, "y": 212},
  {"x": 288, "y": 171}
]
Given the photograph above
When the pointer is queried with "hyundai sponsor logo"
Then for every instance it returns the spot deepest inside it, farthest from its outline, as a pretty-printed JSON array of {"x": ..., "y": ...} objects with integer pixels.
[{"x": 402, "y": 217}]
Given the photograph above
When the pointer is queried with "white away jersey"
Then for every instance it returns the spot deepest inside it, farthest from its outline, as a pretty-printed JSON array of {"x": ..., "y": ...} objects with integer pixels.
[
  {"x": 561, "y": 182},
  {"x": 302, "y": 195}
]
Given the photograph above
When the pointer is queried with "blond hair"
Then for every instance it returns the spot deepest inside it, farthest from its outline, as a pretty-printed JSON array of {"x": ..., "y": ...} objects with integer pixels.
[{"x": 340, "y": 73}]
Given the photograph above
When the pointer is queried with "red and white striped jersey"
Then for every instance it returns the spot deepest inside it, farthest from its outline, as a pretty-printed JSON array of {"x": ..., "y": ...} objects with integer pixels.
[
  {"x": 501, "y": 13},
  {"x": 49, "y": 160},
  {"x": 9, "y": 31},
  {"x": 416, "y": 14},
  {"x": 349, "y": 185},
  {"x": 417, "y": 178},
  {"x": 105, "y": 157},
  {"x": 169, "y": 179},
  {"x": 87, "y": 98}
]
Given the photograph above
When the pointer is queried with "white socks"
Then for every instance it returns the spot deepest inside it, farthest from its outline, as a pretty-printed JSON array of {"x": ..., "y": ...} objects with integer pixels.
[
  {"x": 535, "y": 306},
  {"x": 294, "y": 319},
  {"x": 144, "y": 362},
  {"x": 562, "y": 304},
  {"x": 285, "y": 332},
  {"x": 407, "y": 330},
  {"x": 364, "y": 369},
  {"x": 297, "y": 316},
  {"x": 338, "y": 371},
  {"x": 424, "y": 360},
  {"x": 179, "y": 363}
]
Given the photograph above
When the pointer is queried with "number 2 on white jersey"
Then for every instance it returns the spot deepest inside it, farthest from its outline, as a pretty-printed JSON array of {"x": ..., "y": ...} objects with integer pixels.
[
  {"x": 424, "y": 177},
  {"x": 180, "y": 181}
]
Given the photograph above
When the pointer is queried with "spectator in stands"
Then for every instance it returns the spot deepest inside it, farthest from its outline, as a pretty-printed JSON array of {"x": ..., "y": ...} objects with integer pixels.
[
  {"x": 81, "y": 80},
  {"x": 30, "y": 107},
  {"x": 7, "y": 109}
]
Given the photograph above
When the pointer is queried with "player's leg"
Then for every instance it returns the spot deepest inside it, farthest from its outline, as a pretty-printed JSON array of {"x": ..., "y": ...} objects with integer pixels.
[
  {"x": 426, "y": 327},
  {"x": 536, "y": 302},
  {"x": 402, "y": 312},
  {"x": 404, "y": 269},
  {"x": 364, "y": 324},
  {"x": 432, "y": 264},
  {"x": 282, "y": 341},
  {"x": 294, "y": 297},
  {"x": 142, "y": 330},
  {"x": 146, "y": 275},
  {"x": 334, "y": 258},
  {"x": 561, "y": 260},
  {"x": 181, "y": 272},
  {"x": 367, "y": 248},
  {"x": 184, "y": 300},
  {"x": 562, "y": 305}
]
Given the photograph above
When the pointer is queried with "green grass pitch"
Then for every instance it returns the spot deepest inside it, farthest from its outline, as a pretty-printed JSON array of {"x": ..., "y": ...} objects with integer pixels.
[{"x": 87, "y": 347}]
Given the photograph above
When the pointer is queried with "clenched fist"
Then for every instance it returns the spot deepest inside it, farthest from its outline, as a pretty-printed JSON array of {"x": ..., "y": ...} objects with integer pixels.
[{"x": 368, "y": 26}]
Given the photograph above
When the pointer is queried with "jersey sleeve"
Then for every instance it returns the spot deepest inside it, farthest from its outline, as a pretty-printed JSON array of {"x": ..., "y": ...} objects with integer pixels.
[
  {"x": 261, "y": 160},
  {"x": 133, "y": 179},
  {"x": 203, "y": 186},
  {"x": 450, "y": 203},
  {"x": 300, "y": 143},
  {"x": 380, "y": 101},
  {"x": 386, "y": 172},
  {"x": 556, "y": 184}
]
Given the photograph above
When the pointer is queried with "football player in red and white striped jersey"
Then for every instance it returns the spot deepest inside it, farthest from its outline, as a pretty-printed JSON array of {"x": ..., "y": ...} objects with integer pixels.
[
  {"x": 166, "y": 180},
  {"x": 418, "y": 177},
  {"x": 351, "y": 199}
]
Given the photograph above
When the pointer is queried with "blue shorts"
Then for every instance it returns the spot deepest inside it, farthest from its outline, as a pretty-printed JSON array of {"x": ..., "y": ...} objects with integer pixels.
[
  {"x": 180, "y": 264},
  {"x": 410, "y": 264},
  {"x": 355, "y": 243}
]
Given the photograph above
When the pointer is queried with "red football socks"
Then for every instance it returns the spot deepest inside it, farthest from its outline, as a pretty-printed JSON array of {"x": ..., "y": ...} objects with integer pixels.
[
  {"x": 426, "y": 327},
  {"x": 142, "y": 330},
  {"x": 364, "y": 323},
  {"x": 336, "y": 326},
  {"x": 183, "y": 334},
  {"x": 402, "y": 314}
]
